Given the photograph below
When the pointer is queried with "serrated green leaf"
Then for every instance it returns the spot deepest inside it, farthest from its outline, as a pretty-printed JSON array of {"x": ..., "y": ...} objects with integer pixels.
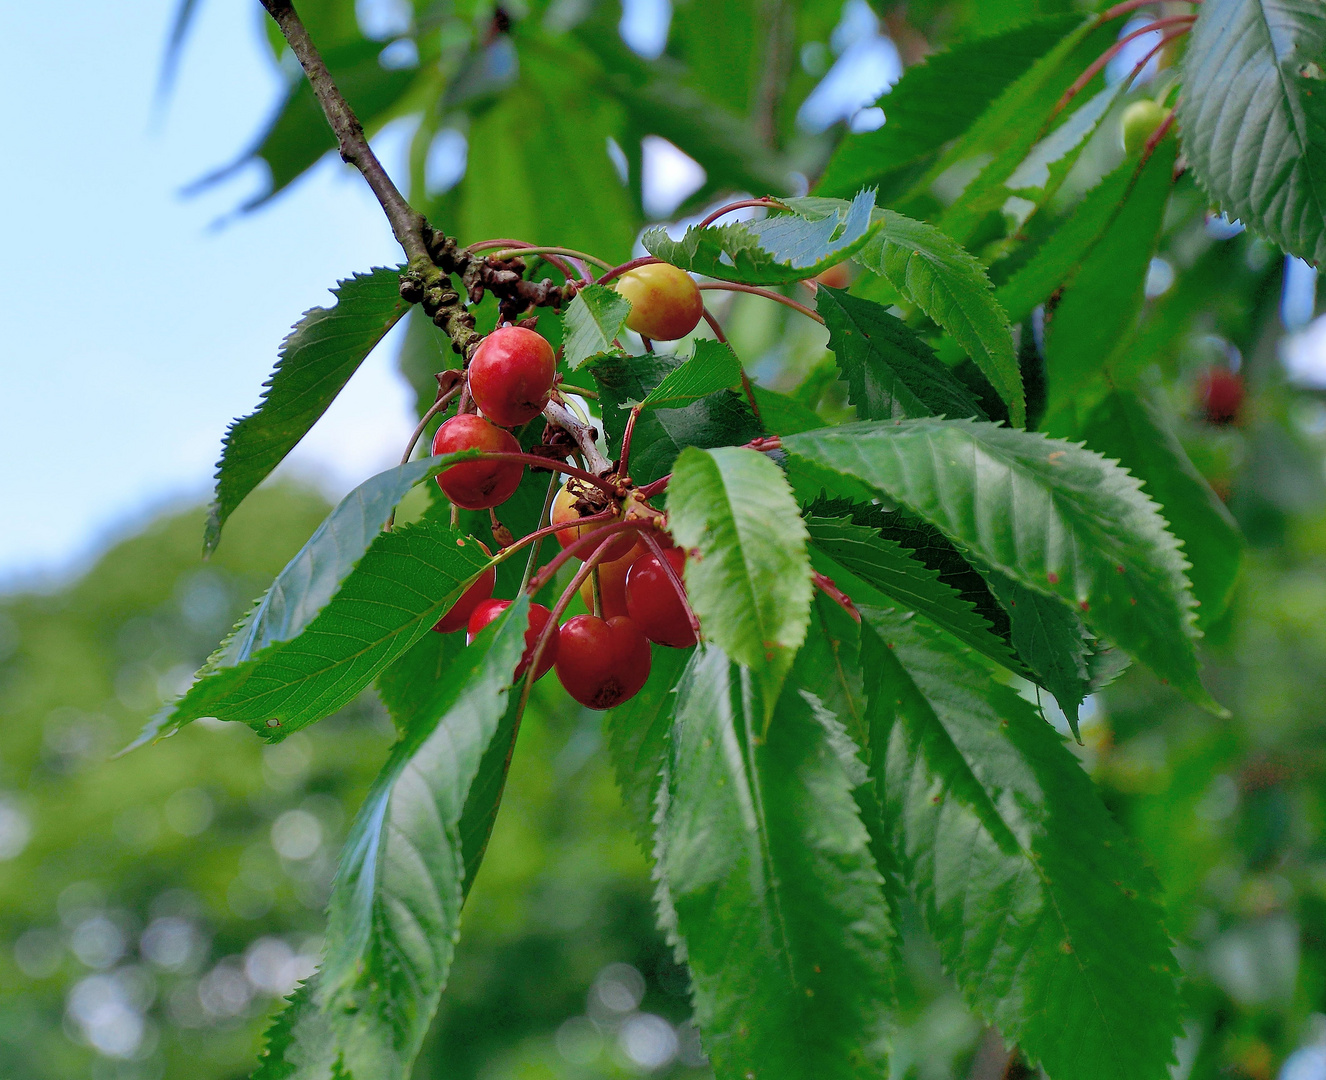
[
  {"x": 1033, "y": 175},
  {"x": 401, "y": 586},
  {"x": 781, "y": 414},
  {"x": 1128, "y": 427},
  {"x": 950, "y": 285},
  {"x": 838, "y": 545},
  {"x": 1052, "y": 515},
  {"x": 1101, "y": 301},
  {"x": 1043, "y": 913},
  {"x": 936, "y": 101},
  {"x": 1253, "y": 116},
  {"x": 775, "y": 250},
  {"x": 721, "y": 419},
  {"x": 775, "y": 894},
  {"x": 317, "y": 359},
  {"x": 394, "y": 915},
  {"x": 750, "y": 581},
  {"x": 637, "y": 733},
  {"x": 712, "y": 367},
  {"x": 592, "y": 322},
  {"x": 890, "y": 372}
]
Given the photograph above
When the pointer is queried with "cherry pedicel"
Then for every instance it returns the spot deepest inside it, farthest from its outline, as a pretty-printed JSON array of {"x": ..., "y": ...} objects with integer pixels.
[
  {"x": 488, "y": 610},
  {"x": 612, "y": 584},
  {"x": 665, "y": 301},
  {"x": 511, "y": 375},
  {"x": 600, "y": 663},
  {"x": 477, "y": 485},
  {"x": 575, "y": 500},
  {"x": 459, "y": 612},
  {"x": 653, "y": 603}
]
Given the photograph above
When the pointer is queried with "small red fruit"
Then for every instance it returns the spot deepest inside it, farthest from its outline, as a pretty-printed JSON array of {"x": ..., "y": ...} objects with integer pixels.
[
  {"x": 575, "y": 500},
  {"x": 1220, "y": 393},
  {"x": 600, "y": 663},
  {"x": 511, "y": 375},
  {"x": 652, "y": 601},
  {"x": 477, "y": 485},
  {"x": 838, "y": 276},
  {"x": 612, "y": 583},
  {"x": 539, "y": 615},
  {"x": 665, "y": 301},
  {"x": 459, "y": 613}
]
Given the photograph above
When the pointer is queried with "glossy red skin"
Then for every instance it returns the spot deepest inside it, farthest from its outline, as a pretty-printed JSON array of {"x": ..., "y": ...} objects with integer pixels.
[
  {"x": 1221, "y": 394},
  {"x": 563, "y": 511},
  {"x": 665, "y": 301},
  {"x": 477, "y": 485},
  {"x": 459, "y": 613},
  {"x": 652, "y": 602},
  {"x": 539, "y": 615},
  {"x": 511, "y": 375},
  {"x": 612, "y": 584},
  {"x": 600, "y": 663}
]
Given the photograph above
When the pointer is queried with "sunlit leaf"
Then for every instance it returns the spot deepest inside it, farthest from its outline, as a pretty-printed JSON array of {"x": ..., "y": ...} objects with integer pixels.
[
  {"x": 593, "y": 321},
  {"x": 712, "y": 367}
]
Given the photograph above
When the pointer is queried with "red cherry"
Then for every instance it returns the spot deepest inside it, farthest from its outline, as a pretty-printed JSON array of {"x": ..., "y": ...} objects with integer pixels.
[
  {"x": 539, "y": 615},
  {"x": 564, "y": 510},
  {"x": 459, "y": 613},
  {"x": 665, "y": 301},
  {"x": 602, "y": 664},
  {"x": 652, "y": 602},
  {"x": 477, "y": 485},
  {"x": 511, "y": 375},
  {"x": 612, "y": 583},
  {"x": 1220, "y": 392}
]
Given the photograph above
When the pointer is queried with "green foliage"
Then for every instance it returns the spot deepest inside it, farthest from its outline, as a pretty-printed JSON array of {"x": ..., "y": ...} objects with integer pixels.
[
  {"x": 317, "y": 359},
  {"x": 712, "y": 367},
  {"x": 1040, "y": 908},
  {"x": 1084, "y": 531},
  {"x": 1253, "y": 117},
  {"x": 749, "y": 582},
  {"x": 763, "y": 857},
  {"x": 592, "y": 322}
]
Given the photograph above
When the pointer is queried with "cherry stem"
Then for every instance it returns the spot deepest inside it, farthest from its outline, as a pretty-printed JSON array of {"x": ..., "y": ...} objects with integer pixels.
[
  {"x": 657, "y": 550},
  {"x": 441, "y": 403},
  {"x": 515, "y": 252},
  {"x": 618, "y": 271},
  {"x": 740, "y": 204},
  {"x": 717, "y": 328},
  {"x": 1109, "y": 54},
  {"x": 525, "y": 249},
  {"x": 826, "y": 586},
  {"x": 573, "y": 549},
  {"x": 1137, "y": 68},
  {"x": 655, "y": 488},
  {"x": 535, "y": 539},
  {"x": 549, "y": 463},
  {"x": 769, "y": 294},
  {"x": 1149, "y": 148},
  {"x": 627, "y": 435},
  {"x": 1127, "y": 6}
]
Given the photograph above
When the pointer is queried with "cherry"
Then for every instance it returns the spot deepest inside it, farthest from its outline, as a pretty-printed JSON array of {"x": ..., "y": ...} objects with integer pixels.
[
  {"x": 612, "y": 583},
  {"x": 459, "y": 613},
  {"x": 539, "y": 615},
  {"x": 511, "y": 375},
  {"x": 838, "y": 276},
  {"x": 600, "y": 663},
  {"x": 477, "y": 485},
  {"x": 575, "y": 500},
  {"x": 652, "y": 602},
  {"x": 1140, "y": 121},
  {"x": 1220, "y": 392},
  {"x": 665, "y": 301}
]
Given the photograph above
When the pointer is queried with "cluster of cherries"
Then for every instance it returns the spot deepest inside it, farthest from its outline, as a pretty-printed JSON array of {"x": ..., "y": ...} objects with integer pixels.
[{"x": 601, "y": 659}]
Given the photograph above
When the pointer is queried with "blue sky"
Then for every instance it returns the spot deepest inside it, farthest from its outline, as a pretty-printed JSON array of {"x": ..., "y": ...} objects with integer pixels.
[{"x": 133, "y": 330}]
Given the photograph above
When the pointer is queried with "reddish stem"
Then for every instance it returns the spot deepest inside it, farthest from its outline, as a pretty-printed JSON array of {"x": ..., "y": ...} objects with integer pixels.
[
  {"x": 768, "y": 294},
  {"x": 1109, "y": 54},
  {"x": 1126, "y": 7},
  {"x": 556, "y": 260},
  {"x": 1137, "y": 68},
  {"x": 573, "y": 549},
  {"x": 657, "y": 549},
  {"x": 550, "y": 463},
  {"x": 829, "y": 589},
  {"x": 660, "y": 485},
  {"x": 1149, "y": 148},
  {"x": 738, "y": 206},
  {"x": 627, "y": 435},
  {"x": 618, "y": 271},
  {"x": 745, "y": 381}
]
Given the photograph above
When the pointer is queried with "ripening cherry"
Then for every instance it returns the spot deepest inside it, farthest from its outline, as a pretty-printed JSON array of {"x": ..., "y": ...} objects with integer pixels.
[
  {"x": 1220, "y": 394},
  {"x": 665, "y": 301},
  {"x": 564, "y": 509},
  {"x": 602, "y": 663},
  {"x": 652, "y": 601},
  {"x": 612, "y": 583},
  {"x": 1140, "y": 121},
  {"x": 488, "y": 610},
  {"x": 511, "y": 375},
  {"x": 459, "y": 613},
  {"x": 477, "y": 485}
]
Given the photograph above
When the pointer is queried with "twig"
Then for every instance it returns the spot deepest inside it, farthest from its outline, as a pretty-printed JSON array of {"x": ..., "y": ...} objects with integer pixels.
[
  {"x": 768, "y": 294},
  {"x": 680, "y": 589},
  {"x": 583, "y": 434}
]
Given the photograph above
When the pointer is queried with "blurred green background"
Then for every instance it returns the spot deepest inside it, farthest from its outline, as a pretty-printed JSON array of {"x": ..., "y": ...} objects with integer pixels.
[{"x": 154, "y": 908}]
